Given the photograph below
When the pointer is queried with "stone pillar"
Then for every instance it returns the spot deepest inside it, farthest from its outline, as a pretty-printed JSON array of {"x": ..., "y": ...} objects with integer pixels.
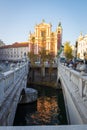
[
  {"x": 36, "y": 32},
  {"x": 47, "y": 31},
  {"x": 49, "y": 45}
]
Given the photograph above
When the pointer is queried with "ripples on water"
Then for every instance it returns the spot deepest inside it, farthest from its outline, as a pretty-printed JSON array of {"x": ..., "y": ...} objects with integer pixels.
[{"x": 45, "y": 112}]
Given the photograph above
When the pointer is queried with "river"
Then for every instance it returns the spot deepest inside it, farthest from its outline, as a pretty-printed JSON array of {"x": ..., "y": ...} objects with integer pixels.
[{"x": 49, "y": 109}]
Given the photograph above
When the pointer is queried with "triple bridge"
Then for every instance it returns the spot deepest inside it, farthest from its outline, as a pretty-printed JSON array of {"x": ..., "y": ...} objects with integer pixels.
[
  {"x": 12, "y": 83},
  {"x": 74, "y": 87}
]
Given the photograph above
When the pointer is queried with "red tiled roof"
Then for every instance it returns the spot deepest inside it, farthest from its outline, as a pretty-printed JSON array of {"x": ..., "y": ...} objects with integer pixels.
[{"x": 16, "y": 45}]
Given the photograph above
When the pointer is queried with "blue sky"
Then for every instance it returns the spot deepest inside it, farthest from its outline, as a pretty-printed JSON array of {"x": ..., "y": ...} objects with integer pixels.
[{"x": 19, "y": 17}]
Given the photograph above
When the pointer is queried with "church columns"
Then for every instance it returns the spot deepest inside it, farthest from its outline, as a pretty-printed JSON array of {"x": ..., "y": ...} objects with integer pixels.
[
  {"x": 36, "y": 32},
  {"x": 48, "y": 46},
  {"x": 43, "y": 37},
  {"x": 48, "y": 31}
]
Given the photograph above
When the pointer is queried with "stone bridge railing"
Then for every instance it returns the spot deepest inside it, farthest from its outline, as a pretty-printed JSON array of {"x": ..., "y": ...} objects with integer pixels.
[
  {"x": 74, "y": 87},
  {"x": 11, "y": 84}
]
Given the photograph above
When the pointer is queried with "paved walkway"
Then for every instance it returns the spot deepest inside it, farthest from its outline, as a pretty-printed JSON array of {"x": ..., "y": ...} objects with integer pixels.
[{"x": 64, "y": 127}]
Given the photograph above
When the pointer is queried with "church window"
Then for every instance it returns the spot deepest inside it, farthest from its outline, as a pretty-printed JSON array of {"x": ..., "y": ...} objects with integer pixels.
[
  {"x": 58, "y": 31},
  {"x": 42, "y": 33}
]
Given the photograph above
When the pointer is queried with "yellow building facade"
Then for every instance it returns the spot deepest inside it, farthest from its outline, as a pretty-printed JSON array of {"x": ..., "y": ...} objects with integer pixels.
[{"x": 43, "y": 37}]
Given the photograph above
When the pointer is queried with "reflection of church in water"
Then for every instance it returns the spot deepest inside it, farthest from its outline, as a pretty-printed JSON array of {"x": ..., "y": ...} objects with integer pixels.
[{"x": 43, "y": 37}]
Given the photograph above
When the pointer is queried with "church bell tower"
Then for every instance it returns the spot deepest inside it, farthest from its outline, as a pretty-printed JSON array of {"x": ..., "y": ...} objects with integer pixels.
[{"x": 59, "y": 36}]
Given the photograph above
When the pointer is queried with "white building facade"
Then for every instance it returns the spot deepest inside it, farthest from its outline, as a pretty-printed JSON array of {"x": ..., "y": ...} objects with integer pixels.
[
  {"x": 82, "y": 46},
  {"x": 14, "y": 52}
]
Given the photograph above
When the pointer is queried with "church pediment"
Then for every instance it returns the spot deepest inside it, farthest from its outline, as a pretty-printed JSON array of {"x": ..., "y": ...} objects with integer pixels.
[{"x": 43, "y": 25}]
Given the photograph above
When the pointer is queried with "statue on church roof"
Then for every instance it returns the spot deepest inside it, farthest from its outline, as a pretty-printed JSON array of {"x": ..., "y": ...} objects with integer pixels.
[
  {"x": 50, "y": 24},
  {"x": 59, "y": 24},
  {"x": 43, "y": 20},
  {"x": 81, "y": 34},
  {"x": 29, "y": 32}
]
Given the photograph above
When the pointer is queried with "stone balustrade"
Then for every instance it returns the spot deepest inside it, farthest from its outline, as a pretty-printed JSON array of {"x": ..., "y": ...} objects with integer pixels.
[
  {"x": 79, "y": 82},
  {"x": 12, "y": 83},
  {"x": 74, "y": 84},
  {"x": 8, "y": 80}
]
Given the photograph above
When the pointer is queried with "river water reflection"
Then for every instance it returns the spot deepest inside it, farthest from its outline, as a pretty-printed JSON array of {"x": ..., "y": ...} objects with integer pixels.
[{"x": 48, "y": 110}]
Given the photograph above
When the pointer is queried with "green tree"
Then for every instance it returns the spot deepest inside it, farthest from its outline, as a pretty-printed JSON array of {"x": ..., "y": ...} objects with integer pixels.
[
  {"x": 43, "y": 57},
  {"x": 50, "y": 60},
  {"x": 32, "y": 58},
  {"x": 33, "y": 44},
  {"x": 46, "y": 57},
  {"x": 68, "y": 50}
]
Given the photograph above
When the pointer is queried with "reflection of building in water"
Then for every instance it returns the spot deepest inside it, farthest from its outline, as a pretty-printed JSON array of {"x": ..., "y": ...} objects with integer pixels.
[
  {"x": 43, "y": 37},
  {"x": 47, "y": 109}
]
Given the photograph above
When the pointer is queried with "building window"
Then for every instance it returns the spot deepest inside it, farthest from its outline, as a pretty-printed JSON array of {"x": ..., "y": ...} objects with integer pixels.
[
  {"x": 43, "y": 33},
  {"x": 58, "y": 31}
]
